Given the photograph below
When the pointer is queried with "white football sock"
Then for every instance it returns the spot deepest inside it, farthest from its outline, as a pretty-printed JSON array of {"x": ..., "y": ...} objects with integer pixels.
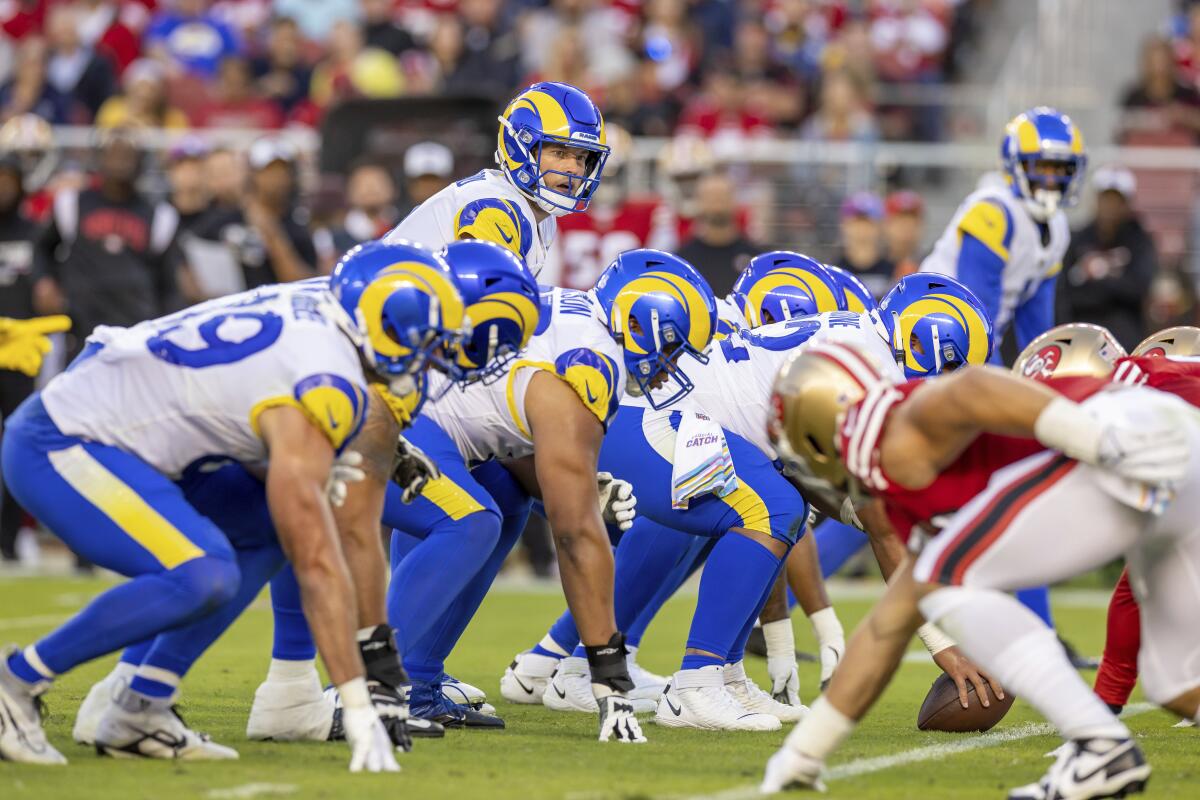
[
  {"x": 821, "y": 732},
  {"x": 291, "y": 670},
  {"x": 1012, "y": 644},
  {"x": 550, "y": 646}
]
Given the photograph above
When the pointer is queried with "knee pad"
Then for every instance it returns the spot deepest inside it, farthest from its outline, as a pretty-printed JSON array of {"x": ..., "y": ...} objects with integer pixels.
[
  {"x": 475, "y": 537},
  {"x": 210, "y": 580}
]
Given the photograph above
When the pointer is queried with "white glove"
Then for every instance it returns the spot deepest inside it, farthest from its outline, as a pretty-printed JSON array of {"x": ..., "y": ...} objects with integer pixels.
[
  {"x": 849, "y": 514},
  {"x": 1155, "y": 455},
  {"x": 831, "y": 639},
  {"x": 618, "y": 506},
  {"x": 346, "y": 469},
  {"x": 617, "y": 720},
  {"x": 781, "y": 661},
  {"x": 370, "y": 747},
  {"x": 412, "y": 469}
]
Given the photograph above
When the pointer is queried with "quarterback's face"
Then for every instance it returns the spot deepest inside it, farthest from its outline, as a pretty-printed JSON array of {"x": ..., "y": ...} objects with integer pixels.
[{"x": 559, "y": 158}]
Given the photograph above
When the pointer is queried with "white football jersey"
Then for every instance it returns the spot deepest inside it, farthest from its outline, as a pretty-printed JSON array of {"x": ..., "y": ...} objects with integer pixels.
[
  {"x": 994, "y": 216},
  {"x": 191, "y": 385},
  {"x": 734, "y": 388},
  {"x": 487, "y": 420},
  {"x": 484, "y": 206},
  {"x": 729, "y": 317}
]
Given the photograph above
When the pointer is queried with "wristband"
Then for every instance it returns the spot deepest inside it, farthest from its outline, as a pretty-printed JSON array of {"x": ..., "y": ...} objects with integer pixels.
[
  {"x": 354, "y": 694},
  {"x": 608, "y": 666},
  {"x": 381, "y": 657},
  {"x": 780, "y": 639},
  {"x": 935, "y": 641},
  {"x": 1067, "y": 428},
  {"x": 827, "y": 626}
]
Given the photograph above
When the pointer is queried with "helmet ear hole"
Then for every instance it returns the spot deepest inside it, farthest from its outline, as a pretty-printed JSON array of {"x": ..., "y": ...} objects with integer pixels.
[{"x": 815, "y": 445}]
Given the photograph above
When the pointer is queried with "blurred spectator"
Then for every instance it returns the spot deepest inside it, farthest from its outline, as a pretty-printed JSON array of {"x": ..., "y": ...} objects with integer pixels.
[
  {"x": 602, "y": 49},
  {"x": 903, "y": 229},
  {"x": 225, "y": 170},
  {"x": 370, "y": 213},
  {"x": 267, "y": 233},
  {"x": 798, "y": 36},
  {"x": 190, "y": 193},
  {"x": 1159, "y": 102},
  {"x": 186, "y": 36},
  {"x": 113, "y": 29},
  {"x": 350, "y": 70},
  {"x": 637, "y": 103},
  {"x": 771, "y": 88},
  {"x": 1111, "y": 263},
  {"x": 17, "y": 235},
  {"x": 234, "y": 103},
  {"x": 380, "y": 30},
  {"x": 428, "y": 167},
  {"x": 567, "y": 61},
  {"x": 1186, "y": 47},
  {"x": 317, "y": 17},
  {"x": 28, "y": 92},
  {"x": 717, "y": 247},
  {"x": 73, "y": 69},
  {"x": 722, "y": 114},
  {"x": 841, "y": 114},
  {"x": 667, "y": 43},
  {"x": 909, "y": 38},
  {"x": 489, "y": 61},
  {"x": 862, "y": 243},
  {"x": 281, "y": 74},
  {"x": 108, "y": 256},
  {"x": 144, "y": 102},
  {"x": 851, "y": 53}
]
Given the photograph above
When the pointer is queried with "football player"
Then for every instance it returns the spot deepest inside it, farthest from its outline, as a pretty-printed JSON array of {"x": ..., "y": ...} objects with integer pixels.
[
  {"x": 1111, "y": 474},
  {"x": 550, "y": 151},
  {"x": 1007, "y": 239},
  {"x": 112, "y": 456}
]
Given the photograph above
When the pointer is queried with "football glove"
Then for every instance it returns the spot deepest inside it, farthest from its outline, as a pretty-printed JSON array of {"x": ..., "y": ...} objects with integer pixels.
[
  {"x": 346, "y": 469},
  {"x": 781, "y": 661},
  {"x": 617, "y": 721},
  {"x": 618, "y": 506},
  {"x": 412, "y": 469},
  {"x": 370, "y": 747}
]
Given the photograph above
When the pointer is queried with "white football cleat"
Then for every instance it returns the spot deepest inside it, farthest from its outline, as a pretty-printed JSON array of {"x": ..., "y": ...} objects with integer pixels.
[
  {"x": 697, "y": 698},
  {"x": 646, "y": 685},
  {"x": 1088, "y": 768},
  {"x": 100, "y": 698},
  {"x": 464, "y": 694},
  {"x": 1185, "y": 723},
  {"x": 291, "y": 710},
  {"x": 788, "y": 769},
  {"x": 136, "y": 726},
  {"x": 526, "y": 678},
  {"x": 753, "y": 698},
  {"x": 21, "y": 736},
  {"x": 571, "y": 690}
]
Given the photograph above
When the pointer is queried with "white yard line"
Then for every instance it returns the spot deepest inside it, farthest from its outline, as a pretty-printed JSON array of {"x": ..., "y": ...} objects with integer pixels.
[
  {"x": 865, "y": 766},
  {"x": 17, "y": 623},
  {"x": 249, "y": 790}
]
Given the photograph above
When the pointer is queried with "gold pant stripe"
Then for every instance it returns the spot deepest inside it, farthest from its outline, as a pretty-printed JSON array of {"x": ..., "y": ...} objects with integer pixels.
[
  {"x": 451, "y": 498},
  {"x": 753, "y": 511}
]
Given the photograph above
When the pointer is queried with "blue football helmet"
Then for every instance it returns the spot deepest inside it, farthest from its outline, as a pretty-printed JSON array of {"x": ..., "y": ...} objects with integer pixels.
[
  {"x": 404, "y": 306},
  {"x": 657, "y": 307},
  {"x": 1044, "y": 160},
  {"x": 780, "y": 285},
  {"x": 858, "y": 296},
  {"x": 501, "y": 299},
  {"x": 545, "y": 114},
  {"x": 934, "y": 324}
]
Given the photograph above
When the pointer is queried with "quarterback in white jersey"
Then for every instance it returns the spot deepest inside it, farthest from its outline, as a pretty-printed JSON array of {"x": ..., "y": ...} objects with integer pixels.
[
  {"x": 1007, "y": 240},
  {"x": 550, "y": 152},
  {"x": 115, "y": 457}
]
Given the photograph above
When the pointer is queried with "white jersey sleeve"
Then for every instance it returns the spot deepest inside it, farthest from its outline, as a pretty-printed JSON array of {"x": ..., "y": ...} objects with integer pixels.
[
  {"x": 191, "y": 386},
  {"x": 487, "y": 420},
  {"x": 484, "y": 206},
  {"x": 734, "y": 388}
]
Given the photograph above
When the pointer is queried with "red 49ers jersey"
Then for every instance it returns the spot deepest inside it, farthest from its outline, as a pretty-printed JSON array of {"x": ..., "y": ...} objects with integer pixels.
[
  {"x": 957, "y": 484},
  {"x": 587, "y": 242},
  {"x": 1172, "y": 374}
]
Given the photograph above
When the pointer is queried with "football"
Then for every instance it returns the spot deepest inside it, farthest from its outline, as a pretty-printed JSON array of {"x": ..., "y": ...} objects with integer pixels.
[{"x": 941, "y": 710}]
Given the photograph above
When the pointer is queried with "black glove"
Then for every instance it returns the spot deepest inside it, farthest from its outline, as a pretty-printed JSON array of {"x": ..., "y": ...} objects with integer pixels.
[
  {"x": 618, "y": 722},
  {"x": 385, "y": 677},
  {"x": 392, "y": 709},
  {"x": 608, "y": 666},
  {"x": 412, "y": 469}
]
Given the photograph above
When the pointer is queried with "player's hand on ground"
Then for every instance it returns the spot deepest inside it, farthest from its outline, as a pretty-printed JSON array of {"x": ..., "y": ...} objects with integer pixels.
[
  {"x": 617, "y": 721},
  {"x": 785, "y": 679},
  {"x": 392, "y": 709},
  {"x": 1156, "y": 456},
  {"x": 370, "y": 748},
  {"x": 618, "y": 506},
  {"x": 346, "y": 469},
  {"x": 963, "y": 671},
  {"x": 831, "y": 656},
  {"x": 412, "y": 469}
]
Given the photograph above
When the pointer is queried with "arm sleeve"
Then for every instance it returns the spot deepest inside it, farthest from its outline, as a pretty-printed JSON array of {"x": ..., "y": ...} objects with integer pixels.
[
  {"x": 981, "y": 269},
  {"x": 1036, "y": 315}
]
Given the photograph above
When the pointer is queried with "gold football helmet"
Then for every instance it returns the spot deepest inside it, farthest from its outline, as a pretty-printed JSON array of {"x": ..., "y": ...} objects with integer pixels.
[
  {"x": 812, "y": 391},
  {"x": 1078, "y": 348},
  {"x": 1182, "y": 340}
]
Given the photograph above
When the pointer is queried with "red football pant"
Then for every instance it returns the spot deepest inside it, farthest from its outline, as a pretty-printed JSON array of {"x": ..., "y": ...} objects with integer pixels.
[{"x": 1118, "y": 672}]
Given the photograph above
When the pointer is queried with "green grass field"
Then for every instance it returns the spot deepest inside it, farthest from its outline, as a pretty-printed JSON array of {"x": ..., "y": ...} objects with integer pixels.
[{"x": 544, "y": 754}]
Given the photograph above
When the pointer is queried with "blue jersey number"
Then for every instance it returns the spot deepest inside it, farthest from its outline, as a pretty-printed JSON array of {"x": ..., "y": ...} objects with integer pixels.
[
  {"x": 216, "y": 350},
  {"x": 733, "y": 352}
]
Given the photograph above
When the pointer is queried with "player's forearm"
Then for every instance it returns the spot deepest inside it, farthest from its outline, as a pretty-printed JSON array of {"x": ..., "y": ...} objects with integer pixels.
[
  {"x": 585, "y": 564},
  {"x": 306, "y": 531},
  {"x": 362, "y": 546},
  {"x": 987, "y": 400},
  {"x": 804, "y": 577},
  {"x": 885, "y": 544},
  {"x": 776, "y": 607}
]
